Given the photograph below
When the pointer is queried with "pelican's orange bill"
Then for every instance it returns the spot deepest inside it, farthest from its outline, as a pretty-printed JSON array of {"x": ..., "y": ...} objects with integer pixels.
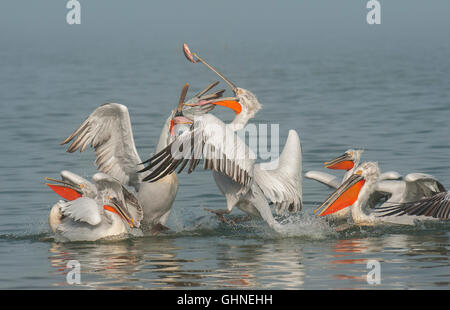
[
  {"x": 232, "y": 104},
  {"x": 345, "y": 200},
  {"x": 111, "y": 209},
  {"x": 172, "y": 132},
  {"x": 114, "y": 210},
  {"x": 343, "y": 162},
  {"x": 343, "y": 165},
  {"x": 65, "y": 192},
  {"x": 345, "y": 196}
]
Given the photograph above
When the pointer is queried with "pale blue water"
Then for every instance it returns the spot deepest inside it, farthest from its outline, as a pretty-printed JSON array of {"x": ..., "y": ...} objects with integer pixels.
[{"x": 337, "y": 81}]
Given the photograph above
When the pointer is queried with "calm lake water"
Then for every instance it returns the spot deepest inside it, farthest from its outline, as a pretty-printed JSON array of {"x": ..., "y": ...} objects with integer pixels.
[{"x": 340, "y": 85}]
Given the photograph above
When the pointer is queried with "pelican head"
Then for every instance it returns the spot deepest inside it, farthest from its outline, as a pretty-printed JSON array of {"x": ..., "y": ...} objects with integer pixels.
[
  {"x": 244, "y": 102},
  {"x": 181, "y": 116},
  {"x": 114, "y": 205},
  {"x": 357, "y": 185},
  {"x": 250, "y": 105},
  {"x": 346, "y": 161}
]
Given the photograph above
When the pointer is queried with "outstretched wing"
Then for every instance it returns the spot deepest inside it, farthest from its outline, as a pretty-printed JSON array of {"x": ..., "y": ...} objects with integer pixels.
[
  {"x": 108, "y": 131},
  {"x": 281, "y": 179},
  {"x": 105, "y": 182},
  {"x": 437, "y": 206},
  {"x": 324, "y": 178},
  {"x": 208, "y": 138},
  {"x": 390, "y": 175},
  {"x": 420, "y": 185}
]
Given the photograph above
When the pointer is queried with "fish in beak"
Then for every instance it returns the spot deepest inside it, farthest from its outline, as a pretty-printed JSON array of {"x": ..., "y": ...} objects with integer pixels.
[
  {"x": 344, "y": 196},
  {"x": 118, "y": 208},
  {"x": 343, "y": 162},
  {"x": 229, "y": 102}
]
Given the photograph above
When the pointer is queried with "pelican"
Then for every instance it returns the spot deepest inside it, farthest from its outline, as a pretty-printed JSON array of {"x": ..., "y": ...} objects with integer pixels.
[
  {"x": 108, "y": 130},
  {"x": 244, "y": 183},
  {"x": 282, "y": 186},
  {"x": 357, "y": 190},
  {"x": 348, "y": 161},
  {"x": 92, "y": 211},
  {"x": 244, "y": 103}
]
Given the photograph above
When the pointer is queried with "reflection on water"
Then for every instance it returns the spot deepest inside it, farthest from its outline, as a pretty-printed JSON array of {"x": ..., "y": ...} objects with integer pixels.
[
  {"x": 185, "y": 262},
  {"x": 389, "y": 96},
  {"x": 163, "y": 263},
  {"x": 117, "y": 264},
  {"x": 398, "y": 255}
]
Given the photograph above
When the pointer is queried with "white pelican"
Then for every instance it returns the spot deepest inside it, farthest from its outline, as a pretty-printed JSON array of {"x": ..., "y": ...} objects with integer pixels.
[
  {"x": 245, "y": 104},
  {"x": 348, "y": 161},
  {"x": 108, "y": 131},
  {"x": 282, "y": 186},
  {"x": 357, "y": 190},
  {"x": 243, "y": 183},
  {"x": 92, "y": 211}
]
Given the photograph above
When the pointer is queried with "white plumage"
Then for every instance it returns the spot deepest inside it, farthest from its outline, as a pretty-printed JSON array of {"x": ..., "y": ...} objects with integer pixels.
[
  {"x": 111, "y": 212},
  {"x": 108, "y": 130},
  {"x": 83, "y": 209},
  {"x": 234, "y": 169},
  {"x": 352, "y": 158},
  {"x": 363, "y": 212},
  {"x": 281, "y": 179},
  {"x": 281, "y": 185}
]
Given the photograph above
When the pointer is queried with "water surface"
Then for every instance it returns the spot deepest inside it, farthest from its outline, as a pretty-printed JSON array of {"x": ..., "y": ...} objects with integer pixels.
[{"x": 340, "y": 83}]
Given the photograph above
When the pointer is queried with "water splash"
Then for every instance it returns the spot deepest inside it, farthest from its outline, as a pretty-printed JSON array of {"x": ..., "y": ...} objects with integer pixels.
[
  {"x": 299, "y": 225},
  {"x": 302, "y": 225}
]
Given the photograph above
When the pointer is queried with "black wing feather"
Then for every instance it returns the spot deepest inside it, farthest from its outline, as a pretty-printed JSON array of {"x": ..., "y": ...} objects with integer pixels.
[{"x": 437, "y": 206}]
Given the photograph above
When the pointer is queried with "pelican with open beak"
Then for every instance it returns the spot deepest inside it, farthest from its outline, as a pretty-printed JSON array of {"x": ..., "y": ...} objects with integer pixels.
[
  {"x": 244, "y": 183},
  {"x": 108, "y": 131},
  {"x": 347, "y": 161},
  {"x": 344, "y": 196},
  {"x": 244, "y": 103},
  {"x": 182, "y": 114},
  {"x": 91, "y": 212},
  {"x": 283, "y": 185},
  {"x": 356, "y": 192}
]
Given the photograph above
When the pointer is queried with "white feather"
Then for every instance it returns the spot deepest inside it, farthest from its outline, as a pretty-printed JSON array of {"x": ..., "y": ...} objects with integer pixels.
[
  {"x": 283, "y": 185},
  {"x": 83, "y": 209},
  {"x": 108, "y": 130}
]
